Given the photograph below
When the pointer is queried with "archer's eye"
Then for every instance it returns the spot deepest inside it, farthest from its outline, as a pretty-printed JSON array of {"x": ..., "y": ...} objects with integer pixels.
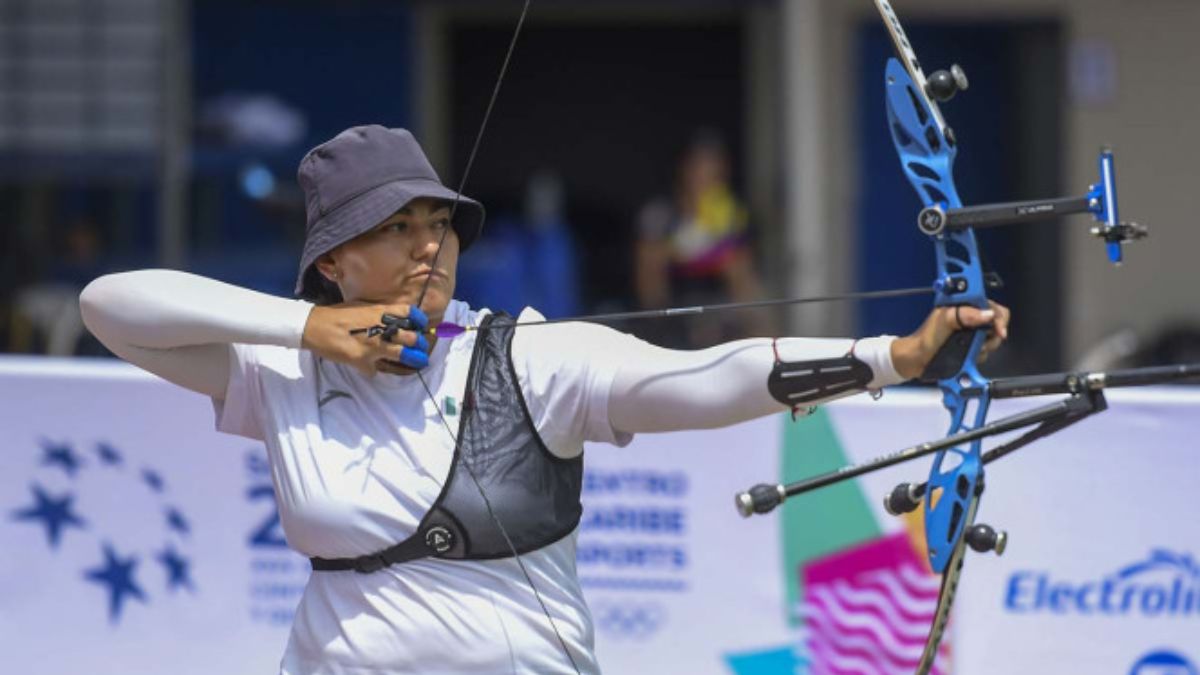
[{"x": 441, "y": 223}]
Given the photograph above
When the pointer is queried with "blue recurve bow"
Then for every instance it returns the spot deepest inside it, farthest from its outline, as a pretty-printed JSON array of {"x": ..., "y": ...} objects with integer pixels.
[{"x": 927, "y": 147}]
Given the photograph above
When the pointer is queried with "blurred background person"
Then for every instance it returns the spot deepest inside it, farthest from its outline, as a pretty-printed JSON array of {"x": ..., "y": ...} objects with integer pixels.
[{"x": 693, "y": 248}]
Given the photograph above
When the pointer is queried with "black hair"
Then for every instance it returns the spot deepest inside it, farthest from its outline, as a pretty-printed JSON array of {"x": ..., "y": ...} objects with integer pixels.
[{"x": 319, "y": 290}]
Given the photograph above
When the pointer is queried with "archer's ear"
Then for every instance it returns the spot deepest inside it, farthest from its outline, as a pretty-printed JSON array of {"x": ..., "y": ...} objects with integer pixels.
[{"x": 327, "y": 266}]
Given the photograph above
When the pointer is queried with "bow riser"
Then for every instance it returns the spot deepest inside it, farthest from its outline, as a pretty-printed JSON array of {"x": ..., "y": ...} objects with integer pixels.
[{"x": 927, "y": 157}]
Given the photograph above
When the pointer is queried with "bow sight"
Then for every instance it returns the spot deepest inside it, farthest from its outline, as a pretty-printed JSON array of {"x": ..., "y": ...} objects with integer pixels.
[{"x": 1100, "y": 201}]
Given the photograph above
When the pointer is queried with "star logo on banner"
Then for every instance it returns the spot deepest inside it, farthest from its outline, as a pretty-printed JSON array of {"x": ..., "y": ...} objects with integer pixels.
[
  {"x": 177, "y": 569},
  {"x": 54, "y": 454},
  {"x": 117, "y": 574},
  {"x": 153, "y": 479},
  {"x": 108, "y": 454},
  {"x": 54, "y": 513},
  {"x": 122, "y": 507},
  {"x": 177, "y": 522}
]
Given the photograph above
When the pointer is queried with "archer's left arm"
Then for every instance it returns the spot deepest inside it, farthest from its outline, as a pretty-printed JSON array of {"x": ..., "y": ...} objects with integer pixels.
[{"x": 657, "y": 390}]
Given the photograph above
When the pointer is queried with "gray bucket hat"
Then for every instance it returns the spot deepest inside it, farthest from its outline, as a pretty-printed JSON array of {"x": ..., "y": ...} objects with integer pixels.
[{"x": 357, "y": 180}]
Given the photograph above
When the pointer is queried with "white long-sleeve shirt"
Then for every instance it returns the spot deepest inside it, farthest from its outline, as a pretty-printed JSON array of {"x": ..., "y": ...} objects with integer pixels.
[{"x": 355, "y": 471}]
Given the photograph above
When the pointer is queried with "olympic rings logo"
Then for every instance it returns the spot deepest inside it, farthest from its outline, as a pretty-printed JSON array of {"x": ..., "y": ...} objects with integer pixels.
[{"x": 628, "y": 620}]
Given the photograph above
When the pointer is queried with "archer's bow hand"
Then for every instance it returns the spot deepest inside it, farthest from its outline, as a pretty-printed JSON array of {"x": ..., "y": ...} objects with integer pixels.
[
  {"x": 912, "y": 354},
  {"x": 371, "y": 338}
]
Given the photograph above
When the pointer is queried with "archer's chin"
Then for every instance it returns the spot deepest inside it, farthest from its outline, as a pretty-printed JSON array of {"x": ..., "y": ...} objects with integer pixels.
[{"x": 435, "y": 301}]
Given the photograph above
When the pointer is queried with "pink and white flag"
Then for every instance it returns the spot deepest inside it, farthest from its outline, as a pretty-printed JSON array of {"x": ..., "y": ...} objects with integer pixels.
[{"x": 869, "y": 610}]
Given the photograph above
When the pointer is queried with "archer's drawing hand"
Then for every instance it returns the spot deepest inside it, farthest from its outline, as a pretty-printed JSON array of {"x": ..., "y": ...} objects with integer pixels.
[
  {"x": 328, "y": 334},
  {"x": 911, "y": 354}
]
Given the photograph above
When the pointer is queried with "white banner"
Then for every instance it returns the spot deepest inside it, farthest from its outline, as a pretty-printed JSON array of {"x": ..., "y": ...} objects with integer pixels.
[
  {"x": 151, "y": 540},
  {"x": 137, "y": 540},
  {"x": 1102, "y": 570}
]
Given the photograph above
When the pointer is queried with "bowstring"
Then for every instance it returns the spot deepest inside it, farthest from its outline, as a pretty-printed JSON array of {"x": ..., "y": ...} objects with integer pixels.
[
  {"x": 487, "y": 114},
  {"x": 503, "y": 532},
  {"x": 420, "y": 299}
]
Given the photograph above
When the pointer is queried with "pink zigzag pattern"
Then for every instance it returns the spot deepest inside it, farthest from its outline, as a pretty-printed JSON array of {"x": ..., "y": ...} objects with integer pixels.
[{"x": 868, "y": 610}]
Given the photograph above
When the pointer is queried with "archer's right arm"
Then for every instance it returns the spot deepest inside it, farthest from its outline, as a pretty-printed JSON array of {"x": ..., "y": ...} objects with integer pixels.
[{"x": 181, "y": 326}]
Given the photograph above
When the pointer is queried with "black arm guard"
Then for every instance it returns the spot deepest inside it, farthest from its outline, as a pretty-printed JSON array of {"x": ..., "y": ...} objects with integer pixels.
[{"x": 803, "y": 382}]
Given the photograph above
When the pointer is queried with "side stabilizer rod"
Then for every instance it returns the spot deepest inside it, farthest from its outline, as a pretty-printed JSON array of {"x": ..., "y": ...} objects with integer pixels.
[
  {"x": 763, "y": 498},
  {"x": 906, "y": 497}
]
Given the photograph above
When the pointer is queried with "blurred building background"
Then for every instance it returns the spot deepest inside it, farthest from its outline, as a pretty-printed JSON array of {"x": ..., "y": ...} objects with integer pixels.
[{"x": 140, "y": 133}]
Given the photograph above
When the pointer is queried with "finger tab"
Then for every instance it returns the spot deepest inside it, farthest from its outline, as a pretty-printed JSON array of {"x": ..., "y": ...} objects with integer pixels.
[
  {"x": 414, "y": 358},
  {"x": 419, "y": 318}
]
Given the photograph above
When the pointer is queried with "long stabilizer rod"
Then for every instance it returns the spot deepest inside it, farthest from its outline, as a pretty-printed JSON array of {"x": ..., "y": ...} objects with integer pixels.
[{"x": 1073, "y": 383}]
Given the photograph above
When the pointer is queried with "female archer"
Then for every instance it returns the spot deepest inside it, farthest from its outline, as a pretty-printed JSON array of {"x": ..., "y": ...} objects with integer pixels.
[{"x": 434, "y": 483}]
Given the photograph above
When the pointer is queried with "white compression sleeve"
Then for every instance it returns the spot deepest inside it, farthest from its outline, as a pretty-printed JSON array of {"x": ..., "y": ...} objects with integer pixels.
[
  {"x": 666, "y": 390},
  {"x": 179, "y": 326}
]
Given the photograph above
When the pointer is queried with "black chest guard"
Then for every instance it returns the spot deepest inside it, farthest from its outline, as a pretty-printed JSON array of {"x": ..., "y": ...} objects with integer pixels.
[{"x": 532, "y": 492}]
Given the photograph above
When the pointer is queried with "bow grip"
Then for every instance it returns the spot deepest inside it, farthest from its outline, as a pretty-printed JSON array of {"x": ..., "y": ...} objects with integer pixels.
[{"x": 949, "y": 359}]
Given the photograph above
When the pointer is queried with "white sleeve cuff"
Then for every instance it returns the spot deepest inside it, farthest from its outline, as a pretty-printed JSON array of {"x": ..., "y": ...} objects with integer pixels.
[
  {"x": 876, "y": 352},
  {"x": 286, "y": 326}
]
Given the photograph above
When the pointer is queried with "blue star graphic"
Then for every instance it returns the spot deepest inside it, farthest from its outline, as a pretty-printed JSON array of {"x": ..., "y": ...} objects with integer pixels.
[
  {"x": 177, "y": 522},
  {"x": 60, "y": 455},
  {"x": 152, "y": 479},
  {"x": 117, "y": 575},
  {"x": 54, "y": 513},
  {"x": 108, "y": 454},
  {"x": 177, "y": 569}
]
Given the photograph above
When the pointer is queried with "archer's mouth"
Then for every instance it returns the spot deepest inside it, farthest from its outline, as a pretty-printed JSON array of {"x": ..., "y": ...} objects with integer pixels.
[{"x": 423, "y": 275}]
